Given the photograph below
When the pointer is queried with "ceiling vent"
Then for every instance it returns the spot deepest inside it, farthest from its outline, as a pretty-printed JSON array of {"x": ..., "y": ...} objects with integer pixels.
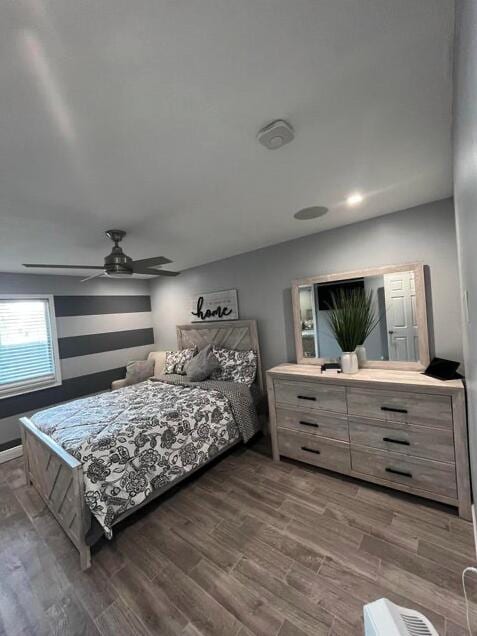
[{"x": 276, "y": 134}]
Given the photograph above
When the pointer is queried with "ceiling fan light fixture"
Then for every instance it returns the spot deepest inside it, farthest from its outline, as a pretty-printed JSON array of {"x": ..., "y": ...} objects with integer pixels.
[{"x": 117, "y": 264}]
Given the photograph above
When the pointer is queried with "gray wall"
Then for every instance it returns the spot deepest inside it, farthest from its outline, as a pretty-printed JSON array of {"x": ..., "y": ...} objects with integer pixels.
[
  {"x": 101, "y": 325},
  {"x": 263, "y": 277},
  {"x": 465, "y": 187}
]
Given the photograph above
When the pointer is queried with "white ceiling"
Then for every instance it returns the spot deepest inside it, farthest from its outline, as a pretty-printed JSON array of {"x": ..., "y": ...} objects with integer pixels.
[{"x": 142, "y": 115}]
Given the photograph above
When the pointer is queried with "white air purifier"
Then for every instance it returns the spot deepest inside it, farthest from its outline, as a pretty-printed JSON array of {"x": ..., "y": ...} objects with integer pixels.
[{"x": 383, "y": 618}]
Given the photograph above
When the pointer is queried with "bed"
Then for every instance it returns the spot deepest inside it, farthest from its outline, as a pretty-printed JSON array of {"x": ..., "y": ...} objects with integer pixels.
[{"x": 153, "y": 435}]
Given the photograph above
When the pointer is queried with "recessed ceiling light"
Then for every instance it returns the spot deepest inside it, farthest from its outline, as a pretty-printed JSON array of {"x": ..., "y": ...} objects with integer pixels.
[
  {"x": 313, "y": 212},
  {"x": 354, "y": 199}
]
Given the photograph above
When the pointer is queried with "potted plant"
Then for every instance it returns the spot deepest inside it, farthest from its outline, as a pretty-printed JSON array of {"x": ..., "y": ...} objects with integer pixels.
[{"x": 352, "y": 317}]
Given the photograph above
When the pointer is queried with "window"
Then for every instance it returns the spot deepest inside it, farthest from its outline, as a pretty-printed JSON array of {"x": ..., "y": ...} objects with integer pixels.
[{"x": 28, "y": 345}]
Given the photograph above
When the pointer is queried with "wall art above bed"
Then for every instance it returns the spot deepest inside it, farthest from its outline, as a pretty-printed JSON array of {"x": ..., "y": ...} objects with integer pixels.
[{"x": 221, "y": 305}]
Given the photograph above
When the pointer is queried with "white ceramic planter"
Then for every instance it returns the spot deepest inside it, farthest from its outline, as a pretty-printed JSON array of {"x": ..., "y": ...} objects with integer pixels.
[
  {"x": 349, "y": 362},
  {"x": 361, "y": 353}
]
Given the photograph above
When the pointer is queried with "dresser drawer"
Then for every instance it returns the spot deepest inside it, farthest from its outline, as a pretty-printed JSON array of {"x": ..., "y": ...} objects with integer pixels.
[
  {"x": 318, "y": 451},
  {"x": 312, "y": 395},
  {"x": 323, "y": 424},
  {"x": 398, "y": 406},
  {"x": 408, "y": 439},
  {"x": 416, "y": 474}
]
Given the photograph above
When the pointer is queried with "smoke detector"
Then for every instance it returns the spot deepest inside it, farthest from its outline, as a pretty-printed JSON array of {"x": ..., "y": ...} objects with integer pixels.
[{"x": 276, "y": 134}]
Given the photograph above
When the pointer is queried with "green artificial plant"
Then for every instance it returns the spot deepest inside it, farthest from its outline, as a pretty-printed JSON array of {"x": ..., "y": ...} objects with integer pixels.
[{"x": 352, "y": 317}]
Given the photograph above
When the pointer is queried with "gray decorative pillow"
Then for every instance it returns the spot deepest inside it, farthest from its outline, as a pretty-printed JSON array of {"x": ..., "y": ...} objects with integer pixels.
[
  {"x": 176, "y": 360},
  {"x": 138, "y": 371},
  {"x": 202, "y": 365},
  {"x": 235, "y": 366}
]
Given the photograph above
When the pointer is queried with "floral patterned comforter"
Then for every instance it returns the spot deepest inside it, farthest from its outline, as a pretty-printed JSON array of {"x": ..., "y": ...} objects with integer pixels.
[{"x": 138, "y": 439}]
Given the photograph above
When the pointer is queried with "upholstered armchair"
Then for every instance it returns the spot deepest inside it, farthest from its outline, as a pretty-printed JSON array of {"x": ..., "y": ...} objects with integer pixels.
[{"x": 159, "y": 358}]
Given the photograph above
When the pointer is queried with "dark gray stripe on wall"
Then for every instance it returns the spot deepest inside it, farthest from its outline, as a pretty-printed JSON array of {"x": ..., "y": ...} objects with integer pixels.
[
  {"x": 94, "y": 305},
  {"x": 11, "y": 444},
  {"x": 97, "y": 343},
  {"x": 69, "y": 390}
]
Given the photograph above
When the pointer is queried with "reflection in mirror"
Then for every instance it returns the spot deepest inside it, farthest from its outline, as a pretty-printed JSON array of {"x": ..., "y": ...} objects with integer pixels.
[
  {"x": 308, "y": 322},
  {"x": 396, "y": 334}
]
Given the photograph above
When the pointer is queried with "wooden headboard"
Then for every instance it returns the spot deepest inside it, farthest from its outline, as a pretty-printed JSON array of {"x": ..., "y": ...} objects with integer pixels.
[{"x": 229, "y": 334}]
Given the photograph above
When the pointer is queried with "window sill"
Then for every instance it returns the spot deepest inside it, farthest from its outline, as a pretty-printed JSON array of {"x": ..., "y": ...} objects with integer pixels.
[{"x": 30, "y": 388}]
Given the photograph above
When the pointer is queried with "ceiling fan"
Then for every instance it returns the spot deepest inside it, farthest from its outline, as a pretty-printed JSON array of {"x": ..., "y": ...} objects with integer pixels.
[{"x": 117, "y": 264}]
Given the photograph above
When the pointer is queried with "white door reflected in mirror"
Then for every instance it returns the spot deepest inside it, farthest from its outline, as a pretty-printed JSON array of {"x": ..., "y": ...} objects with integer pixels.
[{"x": 401, "y": 319}]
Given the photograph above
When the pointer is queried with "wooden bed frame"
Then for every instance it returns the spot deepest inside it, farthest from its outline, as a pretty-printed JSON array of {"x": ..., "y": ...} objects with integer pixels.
[{"x": 58, "y": 476}]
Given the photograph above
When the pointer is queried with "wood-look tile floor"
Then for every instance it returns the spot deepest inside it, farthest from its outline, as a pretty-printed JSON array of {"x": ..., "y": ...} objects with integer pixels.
[{"x": 248, "y": 547}]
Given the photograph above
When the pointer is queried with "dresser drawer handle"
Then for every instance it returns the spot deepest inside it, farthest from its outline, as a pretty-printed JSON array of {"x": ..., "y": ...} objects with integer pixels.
[
  {"x": 396, "y": 441},
  {"x": 306, "y": 397},
  {"x": 404, "y": 473},
  {"x": 310, "y": 450},
  {"x": 309, "y": 424},
  {"x": 393, "y": 410}
]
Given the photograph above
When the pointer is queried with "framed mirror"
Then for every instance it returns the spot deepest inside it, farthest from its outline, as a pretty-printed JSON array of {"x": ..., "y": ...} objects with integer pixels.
[{"x": 397, "y": 301}]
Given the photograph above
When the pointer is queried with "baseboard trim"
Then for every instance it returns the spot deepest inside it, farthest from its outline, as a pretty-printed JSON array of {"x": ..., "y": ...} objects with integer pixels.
[{"x": 11, "y": 453}]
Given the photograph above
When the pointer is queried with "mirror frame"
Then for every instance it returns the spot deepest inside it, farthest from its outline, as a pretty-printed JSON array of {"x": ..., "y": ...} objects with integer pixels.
[{"x": 421, "y": 314}]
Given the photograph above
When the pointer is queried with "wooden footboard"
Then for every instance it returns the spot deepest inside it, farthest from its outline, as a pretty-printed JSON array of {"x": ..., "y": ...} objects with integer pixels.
[{"x": 58, "y": 477}]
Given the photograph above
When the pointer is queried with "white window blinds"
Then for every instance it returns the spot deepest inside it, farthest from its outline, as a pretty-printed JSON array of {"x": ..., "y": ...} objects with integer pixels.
[{"x": 28, "y": 345}]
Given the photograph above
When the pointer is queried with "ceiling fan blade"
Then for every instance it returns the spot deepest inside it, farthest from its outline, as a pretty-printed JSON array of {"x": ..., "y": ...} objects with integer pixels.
[
  {"x": 84, "y": 280},
  {"x": 152, "y": 262},
  {"x": 164, "y": 272},
  {"x": 153, "y": 272},
  {"x": 64, "y": 266}
]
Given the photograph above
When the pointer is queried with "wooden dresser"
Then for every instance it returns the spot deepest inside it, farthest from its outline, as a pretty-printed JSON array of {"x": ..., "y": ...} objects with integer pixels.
[{"x": 399, "y": 429}]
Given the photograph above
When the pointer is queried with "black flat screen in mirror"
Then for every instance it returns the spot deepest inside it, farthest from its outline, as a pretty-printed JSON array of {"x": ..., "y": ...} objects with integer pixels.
[{"x": 326, "y": 291}]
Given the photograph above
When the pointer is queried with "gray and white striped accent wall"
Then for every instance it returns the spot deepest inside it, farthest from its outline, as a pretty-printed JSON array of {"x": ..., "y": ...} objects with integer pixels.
[{"x": 101, "y": 325}]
